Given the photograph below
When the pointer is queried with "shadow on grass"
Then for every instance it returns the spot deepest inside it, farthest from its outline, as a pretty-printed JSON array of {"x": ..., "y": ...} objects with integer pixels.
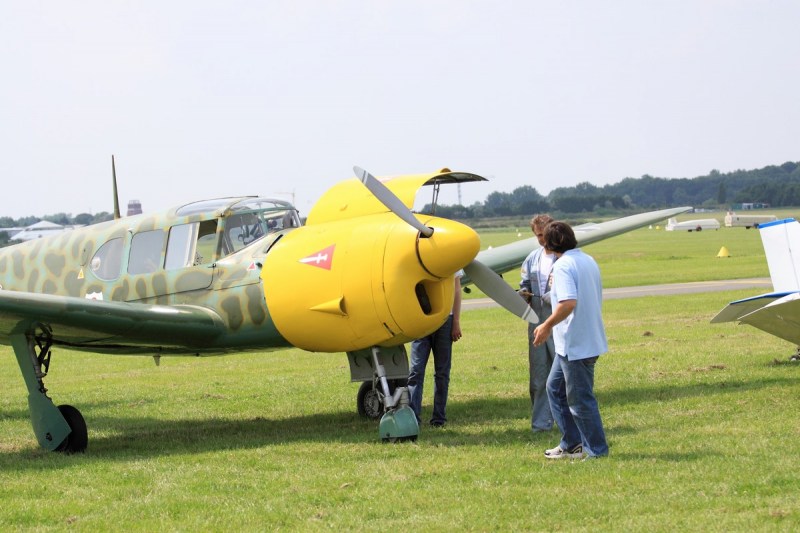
[
  {"x": 668, "y": 392},
  {"x": 134, "y": 438},
  {"x": 144, "y": 437},
  {"x": 673, "y": 457},
  {"x": 14, "y": 414}
]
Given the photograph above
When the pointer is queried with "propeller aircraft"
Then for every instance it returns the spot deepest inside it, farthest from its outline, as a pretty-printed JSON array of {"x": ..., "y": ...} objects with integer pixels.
[
  {"x": 364, "y": 275},
  {"x": 777, "y": 312}
]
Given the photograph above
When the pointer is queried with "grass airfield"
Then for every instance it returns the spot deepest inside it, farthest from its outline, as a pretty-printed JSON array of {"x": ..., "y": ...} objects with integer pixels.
[{"x": 701, "y": 420}]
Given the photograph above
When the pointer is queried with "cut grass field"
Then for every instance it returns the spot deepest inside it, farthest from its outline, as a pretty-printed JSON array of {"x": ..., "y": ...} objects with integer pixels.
[{"x": 701, "y": 420}]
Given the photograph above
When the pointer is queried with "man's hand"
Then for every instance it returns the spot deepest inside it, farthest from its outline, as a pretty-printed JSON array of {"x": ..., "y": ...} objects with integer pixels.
[
  {"x": 541, "y": 333},
  {"x": 562, "y": 311},
  {"x": 455, "y": 332}
]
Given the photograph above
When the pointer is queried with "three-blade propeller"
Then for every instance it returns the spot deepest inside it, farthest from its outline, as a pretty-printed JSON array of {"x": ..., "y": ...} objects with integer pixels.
[{"x": 484, "y": 278}]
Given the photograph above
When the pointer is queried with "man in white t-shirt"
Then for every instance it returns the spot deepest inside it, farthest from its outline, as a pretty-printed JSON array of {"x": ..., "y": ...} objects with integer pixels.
[{"x": 535, "y": 288}]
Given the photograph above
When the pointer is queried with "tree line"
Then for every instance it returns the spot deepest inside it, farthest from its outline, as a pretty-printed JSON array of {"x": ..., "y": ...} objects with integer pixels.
[
  {"x": 778, "y": 186},
  {"x": 64, "y": 219}
]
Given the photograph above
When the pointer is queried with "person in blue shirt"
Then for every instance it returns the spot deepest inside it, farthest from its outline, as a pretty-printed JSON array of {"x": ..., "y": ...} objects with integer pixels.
[
  {"x": 440, "y": 342},
  {"x": 579, "y": 337},
  {"x": 535, "y": 288}
]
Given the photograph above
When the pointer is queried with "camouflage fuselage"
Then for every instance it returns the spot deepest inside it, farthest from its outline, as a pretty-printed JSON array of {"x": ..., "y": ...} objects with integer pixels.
[{"x": 229, "y": 285}]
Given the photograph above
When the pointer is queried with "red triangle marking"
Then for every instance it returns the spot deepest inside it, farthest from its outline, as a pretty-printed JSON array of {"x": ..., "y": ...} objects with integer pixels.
[{"x": 321, "y": 259}]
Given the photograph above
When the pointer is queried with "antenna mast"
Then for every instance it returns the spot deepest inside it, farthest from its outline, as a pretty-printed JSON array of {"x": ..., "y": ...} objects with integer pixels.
[{"x": 117, "y": 216}]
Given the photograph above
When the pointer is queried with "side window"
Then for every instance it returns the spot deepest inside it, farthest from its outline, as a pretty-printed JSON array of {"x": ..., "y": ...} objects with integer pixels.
[
  {"x": 107, "y": 261},
  {"x": 145, "y": 253},
  {"x": 206, "y": 242},
  {"x": 180, "y": 246},
  {"x": 191, "y": 244}
]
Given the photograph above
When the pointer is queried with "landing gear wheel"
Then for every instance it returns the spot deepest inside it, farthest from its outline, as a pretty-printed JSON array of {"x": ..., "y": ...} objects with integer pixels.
[
  {"x": 78, "y": 439},
  {"x": 370, "y": 402},
  {"x": 370, "y": 399}
]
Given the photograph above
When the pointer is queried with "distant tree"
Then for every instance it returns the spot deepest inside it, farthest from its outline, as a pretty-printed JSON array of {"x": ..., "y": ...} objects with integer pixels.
[
  {"x": 680, "y": 197},
  {"x": 84, "y": 219},
  {"x": 477, "y": 210},
  {"x": 498, "y": 203},
  {"x": 585, "y": 188},
  {"x": 7, "y": 222},
  {"x": 526, "y": 200},
  {"x": 102, "y": 216},
  {"x": 27, "y": 221},
  {"x": 722, "y": 193},
  {"x": 59, "y": 218}
]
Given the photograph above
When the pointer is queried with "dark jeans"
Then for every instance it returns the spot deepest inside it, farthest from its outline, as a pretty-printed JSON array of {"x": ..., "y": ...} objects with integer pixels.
[
  {"x": 441, "y": 343},
  {"x": 570, "y": 388}
]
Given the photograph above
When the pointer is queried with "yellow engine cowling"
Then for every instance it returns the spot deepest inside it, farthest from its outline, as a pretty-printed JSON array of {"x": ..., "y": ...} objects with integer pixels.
[{"x": 362, "y": 282}]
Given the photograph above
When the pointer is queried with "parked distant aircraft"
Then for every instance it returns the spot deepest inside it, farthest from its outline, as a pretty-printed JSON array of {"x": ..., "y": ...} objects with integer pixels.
[
  {"x": 364, "y": 275},
  {"x": 692, "y": 225},
  {"x": 777, "y": 312}
]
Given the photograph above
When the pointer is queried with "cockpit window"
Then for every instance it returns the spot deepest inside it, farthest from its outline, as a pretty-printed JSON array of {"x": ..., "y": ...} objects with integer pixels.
[
  {"x": 145, "y": 255},
  {"x": 107, "y": 261},
  {"x": 191, "y": 244},
  {"x": 253, "y": 218}
]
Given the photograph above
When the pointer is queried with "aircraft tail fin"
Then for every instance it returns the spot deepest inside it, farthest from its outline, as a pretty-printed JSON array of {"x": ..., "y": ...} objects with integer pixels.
[{"x": 781, "y": 240}]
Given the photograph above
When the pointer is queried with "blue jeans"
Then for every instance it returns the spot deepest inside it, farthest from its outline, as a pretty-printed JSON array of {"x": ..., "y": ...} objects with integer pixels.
[
  {"x": 570, "y": 387},
  {"x": 441, "y": 342}
]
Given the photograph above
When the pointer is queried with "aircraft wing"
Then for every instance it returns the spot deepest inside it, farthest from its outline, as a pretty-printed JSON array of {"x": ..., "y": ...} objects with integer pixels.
[
  {"x": 83, "y": 321},
  {"x": 510, "y": 256},
  {"x": 736, "y": 310},
  {"x": 780, "y": 318}
]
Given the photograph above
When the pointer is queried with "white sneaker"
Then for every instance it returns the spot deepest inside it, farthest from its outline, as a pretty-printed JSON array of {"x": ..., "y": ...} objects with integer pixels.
[{"x": 576, "y": 452}]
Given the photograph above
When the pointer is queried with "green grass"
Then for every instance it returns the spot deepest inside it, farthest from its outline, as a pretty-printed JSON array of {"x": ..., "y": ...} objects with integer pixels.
[{"x": 701, "y": 420}]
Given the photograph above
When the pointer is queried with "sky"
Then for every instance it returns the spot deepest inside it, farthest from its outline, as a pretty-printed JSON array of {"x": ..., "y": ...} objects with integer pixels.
[{"x": 201, "y": 99}]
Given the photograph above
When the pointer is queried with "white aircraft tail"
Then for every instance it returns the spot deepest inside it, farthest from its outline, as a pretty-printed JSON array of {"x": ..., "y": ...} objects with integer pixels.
[
  {"x": 777, "y": 313},
  {"x": 781, "y": 241}
]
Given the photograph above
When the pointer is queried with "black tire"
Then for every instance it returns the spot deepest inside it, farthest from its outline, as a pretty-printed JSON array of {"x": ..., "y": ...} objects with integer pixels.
[
  {"x": 370, "y": 402},
  {"x": 78, "y": 439}
]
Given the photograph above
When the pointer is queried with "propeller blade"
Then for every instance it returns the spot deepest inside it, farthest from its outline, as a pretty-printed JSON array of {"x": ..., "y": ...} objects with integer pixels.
[
  {"x": 498, "y": 290},
  {"x": 392, "y": 202}
]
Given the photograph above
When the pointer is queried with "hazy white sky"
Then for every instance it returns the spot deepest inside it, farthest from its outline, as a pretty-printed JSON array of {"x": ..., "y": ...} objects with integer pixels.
[{"x": 201, "y": 99}]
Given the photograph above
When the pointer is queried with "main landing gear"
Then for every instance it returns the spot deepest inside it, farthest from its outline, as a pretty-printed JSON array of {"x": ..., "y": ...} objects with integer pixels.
[{"x": 62, "y": 428}]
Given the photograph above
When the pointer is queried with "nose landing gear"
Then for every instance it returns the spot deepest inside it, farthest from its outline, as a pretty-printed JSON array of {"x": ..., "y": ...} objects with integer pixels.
[{"x": 398, "y": 422}]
